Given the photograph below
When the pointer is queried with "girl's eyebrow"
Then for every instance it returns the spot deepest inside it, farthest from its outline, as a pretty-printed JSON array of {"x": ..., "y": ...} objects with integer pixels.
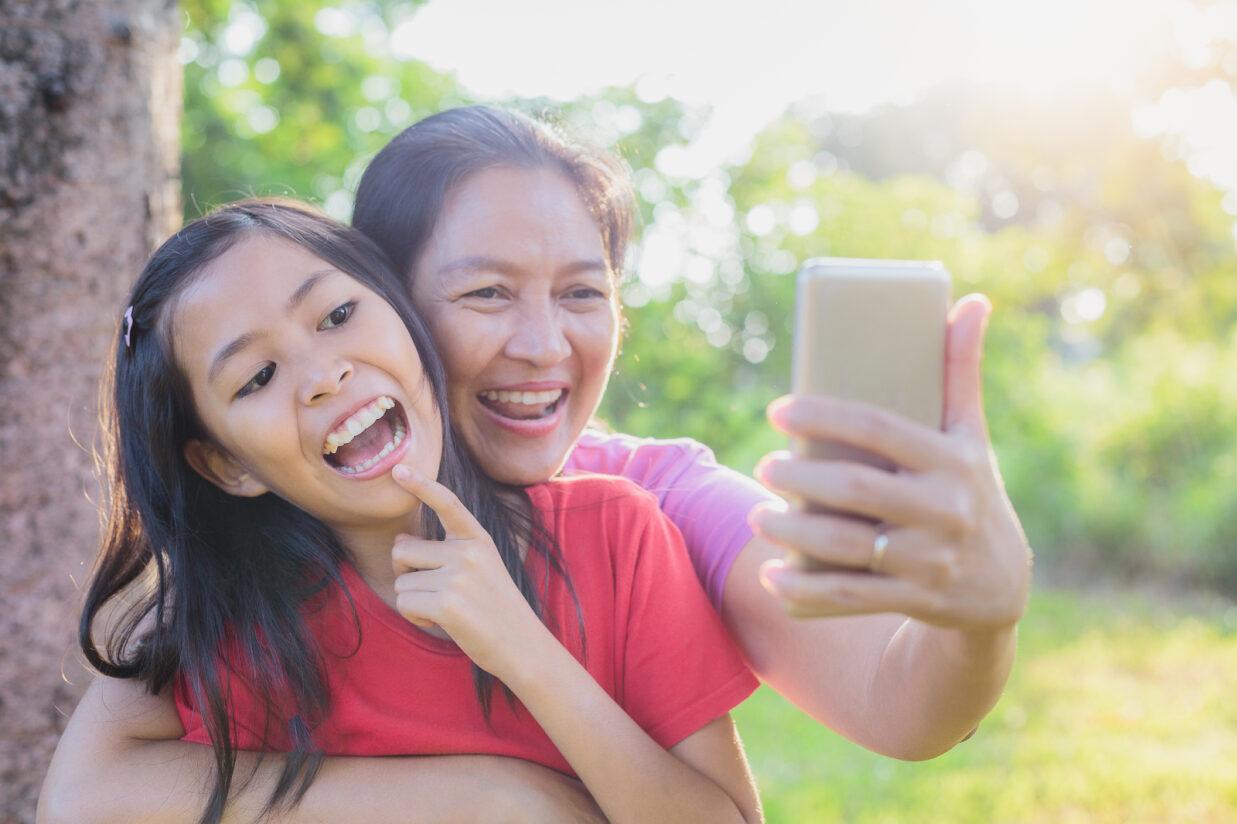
[{"x": 242, "y": 342}]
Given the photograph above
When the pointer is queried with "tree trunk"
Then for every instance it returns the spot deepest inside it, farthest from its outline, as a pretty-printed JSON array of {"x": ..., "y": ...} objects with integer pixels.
[{"x": 90, "y": 100}]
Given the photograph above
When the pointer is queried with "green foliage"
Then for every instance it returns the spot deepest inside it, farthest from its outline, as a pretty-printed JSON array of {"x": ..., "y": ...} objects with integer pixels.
[
  {"x": 1110, "y": 356},
  {"x": 293, "y": 97},
  {"x": 1094, "y": 726}
]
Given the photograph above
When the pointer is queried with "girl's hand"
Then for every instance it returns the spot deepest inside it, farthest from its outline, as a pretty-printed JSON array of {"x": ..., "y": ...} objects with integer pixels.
[
  {"x": 955, "y": 554},
  {"x": 460, "y": 583}
]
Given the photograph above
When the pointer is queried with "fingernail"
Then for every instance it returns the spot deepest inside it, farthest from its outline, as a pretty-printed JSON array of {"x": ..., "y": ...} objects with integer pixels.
[
  {"x": 401, "y": 472},
  {"x": 781, "y": 408},
  {"x": 771, "y": 573}
]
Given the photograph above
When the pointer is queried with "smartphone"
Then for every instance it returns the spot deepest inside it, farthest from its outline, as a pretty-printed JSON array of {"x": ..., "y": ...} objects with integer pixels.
[{"x": 873, "y": 331}]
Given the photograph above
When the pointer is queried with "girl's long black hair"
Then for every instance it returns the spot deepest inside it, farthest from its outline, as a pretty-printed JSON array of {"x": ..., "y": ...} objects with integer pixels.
[{"x": 202, "y": 570}]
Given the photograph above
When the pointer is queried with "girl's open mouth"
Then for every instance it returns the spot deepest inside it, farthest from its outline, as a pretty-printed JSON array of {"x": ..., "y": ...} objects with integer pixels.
[
  {"x": 522, "y": 406},
  {"x": 368, "y": 439}
]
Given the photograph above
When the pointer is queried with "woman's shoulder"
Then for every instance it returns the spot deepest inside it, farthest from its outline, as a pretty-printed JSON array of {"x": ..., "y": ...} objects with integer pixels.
[{"x": 596, "y": 445}]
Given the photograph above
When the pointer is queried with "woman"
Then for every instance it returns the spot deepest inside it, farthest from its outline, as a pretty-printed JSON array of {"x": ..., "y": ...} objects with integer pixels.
[{"x": 512, "y": 238}]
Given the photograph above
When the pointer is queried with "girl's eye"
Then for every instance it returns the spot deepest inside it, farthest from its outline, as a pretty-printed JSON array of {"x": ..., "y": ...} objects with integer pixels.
[
  {"x": 258, "y": 381},
  {"x": 485, "y": 293},
  {"x": 338, "y": 316}
]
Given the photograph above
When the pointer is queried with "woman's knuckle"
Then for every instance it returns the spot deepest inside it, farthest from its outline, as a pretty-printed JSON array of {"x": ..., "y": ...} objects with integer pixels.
[
  {"x": 973, "y": 458},
  {"x": 941, "y": 569}
]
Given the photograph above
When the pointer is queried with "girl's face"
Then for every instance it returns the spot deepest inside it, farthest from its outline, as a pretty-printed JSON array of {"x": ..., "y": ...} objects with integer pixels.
[
  {"x": 515, "y": 287},
  {"x": 308, "y": 383}
]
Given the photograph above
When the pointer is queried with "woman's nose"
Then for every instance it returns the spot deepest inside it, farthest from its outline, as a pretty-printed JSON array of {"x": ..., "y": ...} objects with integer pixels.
[
  {"x": 539, "y": 338},
  {"x": 325, "y": 380}
]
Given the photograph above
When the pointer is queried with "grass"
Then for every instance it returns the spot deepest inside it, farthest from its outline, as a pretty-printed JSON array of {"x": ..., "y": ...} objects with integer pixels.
[{"x": 1122, "y": 707}]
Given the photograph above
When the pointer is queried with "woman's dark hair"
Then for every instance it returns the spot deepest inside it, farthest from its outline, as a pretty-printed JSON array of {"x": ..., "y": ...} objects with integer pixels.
[
  {"x": 406, "y": 185},
  {"x": 211, "y": 572}
]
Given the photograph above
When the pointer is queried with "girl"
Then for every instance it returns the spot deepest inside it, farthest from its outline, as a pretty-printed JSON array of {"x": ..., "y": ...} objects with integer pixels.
[{"x": 275, "y": 429}]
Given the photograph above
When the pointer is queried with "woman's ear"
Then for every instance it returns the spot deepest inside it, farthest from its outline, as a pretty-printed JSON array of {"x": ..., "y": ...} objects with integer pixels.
[{"x": 221, "y": 469}]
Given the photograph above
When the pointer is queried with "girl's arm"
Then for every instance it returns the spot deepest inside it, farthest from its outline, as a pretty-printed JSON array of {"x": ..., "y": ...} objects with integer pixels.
[
  {"x": 703, "y": 778},
  {"x": 461, "y": 585},
  {"x": 118, "y": 761}
]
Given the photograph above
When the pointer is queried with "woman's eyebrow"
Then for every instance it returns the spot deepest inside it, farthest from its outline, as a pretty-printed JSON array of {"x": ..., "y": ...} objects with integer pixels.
[
  {"x": 484, "y": 263},
  {"x": 242, "y": 342}
]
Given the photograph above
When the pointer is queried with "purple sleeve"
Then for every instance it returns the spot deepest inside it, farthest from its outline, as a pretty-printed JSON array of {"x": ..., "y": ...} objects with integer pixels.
[{"x": 708, "y": 502}]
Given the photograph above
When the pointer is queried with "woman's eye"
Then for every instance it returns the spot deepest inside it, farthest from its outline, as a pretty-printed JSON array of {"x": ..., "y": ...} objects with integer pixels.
[
  {"x": 585, "y": 293},
  {"x": 338, "y": 316},
  {"x": 258, "y": 381},
  {"x": 485, "y": 293}
]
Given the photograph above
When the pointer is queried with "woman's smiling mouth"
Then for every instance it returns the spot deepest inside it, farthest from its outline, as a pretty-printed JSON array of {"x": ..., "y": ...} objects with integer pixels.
[
  {"x": 531, "y": 410},
  {"x": 368, "y": 441},
  {"x": 522, "y": 405}
]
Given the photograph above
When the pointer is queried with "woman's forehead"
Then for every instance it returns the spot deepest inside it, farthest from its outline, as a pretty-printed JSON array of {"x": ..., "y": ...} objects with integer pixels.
[{"x": 513, "y": 221}]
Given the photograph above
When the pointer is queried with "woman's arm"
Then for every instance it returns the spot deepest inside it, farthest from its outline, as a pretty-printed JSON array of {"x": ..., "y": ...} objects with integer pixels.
[
  {"x": 907, "y": 648},
  {"x": 118, "y": 761},
  {"x": 887, "y": 682}
]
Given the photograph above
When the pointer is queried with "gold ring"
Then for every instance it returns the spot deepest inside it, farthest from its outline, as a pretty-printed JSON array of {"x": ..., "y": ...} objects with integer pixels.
[{"x": 879, "y": 545}]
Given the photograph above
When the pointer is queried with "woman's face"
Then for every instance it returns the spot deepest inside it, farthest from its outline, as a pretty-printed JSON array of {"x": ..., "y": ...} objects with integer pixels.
[
  {"x": 308, "y": 383},
  {"x": 516, "y": 289}
]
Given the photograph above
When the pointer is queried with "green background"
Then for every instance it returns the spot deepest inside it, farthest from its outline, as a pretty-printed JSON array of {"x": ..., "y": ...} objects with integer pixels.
[{"x": 1116, "y": 432}]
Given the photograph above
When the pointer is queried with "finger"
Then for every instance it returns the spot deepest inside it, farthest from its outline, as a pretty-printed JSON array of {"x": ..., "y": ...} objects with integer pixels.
[
  {"x": 422, "y": 580},
  {"x": 817, "y": 594},
  {"x": 456, "y": 519},
  {"x": 826, "y": 538},
  {"x": 964, "y": 346},
  {"x": 906, "y": 442},
  {"x": 420, "y": 608},
  {"x": 857, "y": 488},
  {"x": 410, "y": 553}
]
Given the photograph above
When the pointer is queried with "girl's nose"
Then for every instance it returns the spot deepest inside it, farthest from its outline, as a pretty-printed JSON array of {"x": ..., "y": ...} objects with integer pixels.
[
  {"x": 325, "y": 381},
  {"x": 539, "y": 338}
]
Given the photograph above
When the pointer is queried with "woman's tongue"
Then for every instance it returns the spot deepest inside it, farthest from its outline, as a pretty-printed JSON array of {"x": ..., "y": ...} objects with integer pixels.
[{"x": 366, "y": 445}]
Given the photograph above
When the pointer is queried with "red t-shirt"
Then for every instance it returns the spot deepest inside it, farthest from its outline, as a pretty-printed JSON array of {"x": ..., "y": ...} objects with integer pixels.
[{"x": 652, "y": 641}]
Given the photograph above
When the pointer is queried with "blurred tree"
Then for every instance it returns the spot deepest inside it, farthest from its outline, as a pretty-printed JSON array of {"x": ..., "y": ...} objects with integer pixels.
[{"x": 88, "y": 164}]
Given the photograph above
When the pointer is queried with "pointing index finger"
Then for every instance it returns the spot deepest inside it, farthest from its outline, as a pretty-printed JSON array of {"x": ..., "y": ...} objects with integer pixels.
[{"x": 456, "y": 519}]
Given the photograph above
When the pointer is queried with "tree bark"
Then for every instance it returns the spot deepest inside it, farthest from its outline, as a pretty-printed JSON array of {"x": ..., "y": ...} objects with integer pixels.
[{"x": 90, "y": 101}]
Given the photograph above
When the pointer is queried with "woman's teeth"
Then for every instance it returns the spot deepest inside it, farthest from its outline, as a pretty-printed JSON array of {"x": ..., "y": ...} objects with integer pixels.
[
  {"x": 357, "y": 423},
  {"x": 527, "y": 398},
  {"x": 386, "y": 450}
]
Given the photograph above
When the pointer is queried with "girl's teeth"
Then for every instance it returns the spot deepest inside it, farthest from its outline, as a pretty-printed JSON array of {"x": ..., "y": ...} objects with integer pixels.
[
  {"x": 357, "y": 423},
  {"x": 395, "y": 441}
]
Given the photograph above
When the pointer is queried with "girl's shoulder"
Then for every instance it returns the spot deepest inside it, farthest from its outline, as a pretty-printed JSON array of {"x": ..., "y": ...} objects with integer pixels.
[
  {"x": 595, "y": 510},
  {"x": 588, "y": 490}
]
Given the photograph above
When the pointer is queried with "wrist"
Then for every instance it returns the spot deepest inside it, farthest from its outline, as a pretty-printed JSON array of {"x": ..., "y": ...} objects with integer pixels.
[{"x": 524, "y": 654}]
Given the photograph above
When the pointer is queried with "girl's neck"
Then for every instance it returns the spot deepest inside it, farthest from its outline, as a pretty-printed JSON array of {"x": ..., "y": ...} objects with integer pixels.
[{"x": 370, "y": 547}]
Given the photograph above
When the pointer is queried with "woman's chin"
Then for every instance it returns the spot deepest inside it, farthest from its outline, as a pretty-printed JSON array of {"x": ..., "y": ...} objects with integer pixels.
[
  {"x": 522, "y": 453},
  {"x": 526, "y": 466}
]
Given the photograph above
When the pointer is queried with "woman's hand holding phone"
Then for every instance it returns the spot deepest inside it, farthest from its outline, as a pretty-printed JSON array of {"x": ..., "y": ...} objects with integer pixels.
[
  {"x": 461, "y": 585},
  {"x": 955, "y": 554}
]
